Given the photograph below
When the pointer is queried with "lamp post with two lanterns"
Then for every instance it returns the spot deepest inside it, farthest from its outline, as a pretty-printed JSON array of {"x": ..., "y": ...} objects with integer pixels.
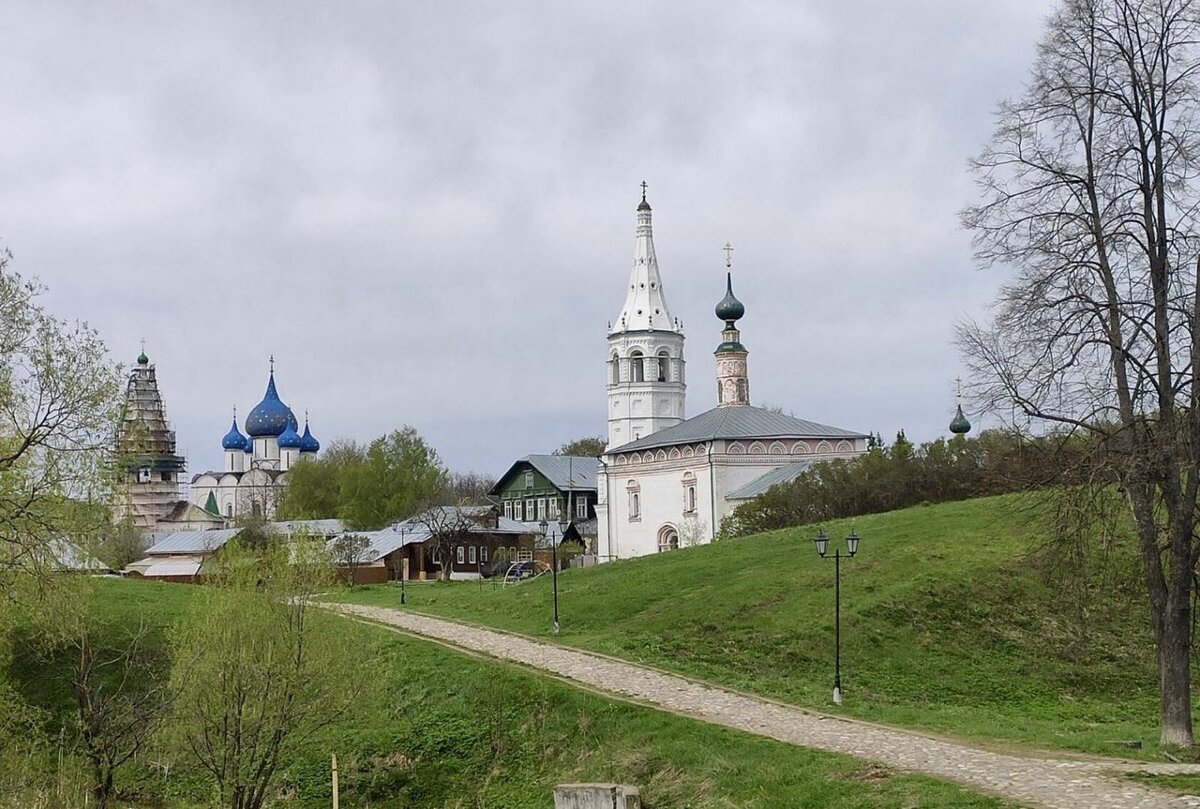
[
  {"x": 564, "y": 523},
  {"x": 822, "y": 542}
]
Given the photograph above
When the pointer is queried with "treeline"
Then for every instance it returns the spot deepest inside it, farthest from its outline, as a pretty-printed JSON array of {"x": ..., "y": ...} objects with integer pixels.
[
  {"x": 369, "y": 486},
  {"x": 902, "y": 475}
]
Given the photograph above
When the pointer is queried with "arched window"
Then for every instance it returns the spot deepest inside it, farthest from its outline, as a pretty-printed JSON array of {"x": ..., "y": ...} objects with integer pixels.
[
  {"x": 664, "y": 366},
  {"x": 689, "y": 491},
  {"x": 637, "y": 373},
  {"x": 616, "y": 368},
  {"x": 635, "y": 499}
]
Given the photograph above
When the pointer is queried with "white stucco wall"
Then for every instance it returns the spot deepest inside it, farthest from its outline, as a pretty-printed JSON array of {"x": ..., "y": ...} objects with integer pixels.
[{"x": 719, "y": 467}]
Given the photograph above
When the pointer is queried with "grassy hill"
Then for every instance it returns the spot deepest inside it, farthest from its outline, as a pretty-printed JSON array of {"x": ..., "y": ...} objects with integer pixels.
[
  {"x": 446, "y": 730},
  {"x": 953, "y": 620}
]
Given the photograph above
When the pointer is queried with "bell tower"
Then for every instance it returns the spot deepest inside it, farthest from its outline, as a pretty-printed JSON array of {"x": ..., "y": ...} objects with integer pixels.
[
  {"x": 645, "y": 367},
  {"x": 733, "y": 373}
]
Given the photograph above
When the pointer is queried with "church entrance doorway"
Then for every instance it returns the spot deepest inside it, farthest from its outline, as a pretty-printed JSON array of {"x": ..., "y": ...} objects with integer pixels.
[{"x": 668, "y": 538}]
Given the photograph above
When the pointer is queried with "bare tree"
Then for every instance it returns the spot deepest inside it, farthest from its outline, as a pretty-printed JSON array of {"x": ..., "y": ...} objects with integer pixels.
[
  {"x": 120, "y": 700},
  {"x": 258, "y": 669},
  {"x": 348, "y": 550},
  {"x": 471, "y": 487},
  {"x": 448, "y": 527},
  {"x": 692, "y": 531},
  {"x": 1088, "y": 187}
]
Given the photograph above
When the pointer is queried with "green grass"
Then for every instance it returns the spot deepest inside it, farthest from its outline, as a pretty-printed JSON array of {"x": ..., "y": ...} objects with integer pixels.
[
  {"x": 443, "y": 729},
  {"x": 950, "y": 623},
  {"x": 1180, "y": 784}
]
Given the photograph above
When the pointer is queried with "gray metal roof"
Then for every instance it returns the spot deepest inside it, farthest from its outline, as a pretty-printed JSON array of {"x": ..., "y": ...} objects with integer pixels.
[
  {"x": 572, "y": 473},
  {"x": 784, "y": 474},
  {"x": 412, "y": 530},
  {"x": 741, "y": 421},
  {"x": 567, "y": 472},
  {"x": 192, "y": 542},
  {"x": 209, "y": 541},
  {"x": 386, "y": 540},
  {"x": 326, "y": 527}
]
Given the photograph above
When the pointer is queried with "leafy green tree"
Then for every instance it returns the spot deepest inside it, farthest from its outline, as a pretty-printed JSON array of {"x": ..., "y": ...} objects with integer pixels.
[
  {"x": 586, "y": 447},
  {"x": 398, "y": 473},
  {"x": 59, "y": 406},
  {"x": 258, "y": 668},
  {"x": 311, "y": 492},
  {"x": 369, "y": 486}
]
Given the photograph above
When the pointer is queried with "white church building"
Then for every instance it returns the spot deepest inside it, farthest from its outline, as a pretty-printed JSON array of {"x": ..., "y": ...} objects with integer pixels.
[
  {"x": 256, "y": 463},
  {"x": 666, "y": 480}
]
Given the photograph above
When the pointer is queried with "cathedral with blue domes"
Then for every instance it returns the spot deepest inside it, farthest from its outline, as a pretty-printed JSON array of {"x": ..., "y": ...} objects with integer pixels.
[{"x": 257, "y": 461}]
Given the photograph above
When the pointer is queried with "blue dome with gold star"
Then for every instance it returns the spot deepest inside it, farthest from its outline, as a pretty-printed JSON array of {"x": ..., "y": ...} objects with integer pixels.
[
  {"x": 307, "y": 442},
  {"x": 271, "y": 416},
  {"x": 234, "y": 439},
  {"x": 289, "y": 438}
]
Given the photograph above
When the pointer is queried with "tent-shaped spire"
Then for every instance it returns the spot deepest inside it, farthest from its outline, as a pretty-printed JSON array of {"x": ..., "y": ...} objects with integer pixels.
[{"x": 645, "y": 306}]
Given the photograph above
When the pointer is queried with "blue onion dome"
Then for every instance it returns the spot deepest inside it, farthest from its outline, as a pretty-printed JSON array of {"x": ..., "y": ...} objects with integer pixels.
[
  {"x": 270, "y": 417},
  {"x": 289, "y": 438},
  {"x": 234, "y": 440},
  {"x": 307, "y": 442},
  {"x": 960, "y": 425},
  {"x": 730, "y": 309}
]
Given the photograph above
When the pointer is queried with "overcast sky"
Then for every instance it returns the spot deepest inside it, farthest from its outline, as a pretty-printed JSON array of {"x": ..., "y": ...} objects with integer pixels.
[{"x": 426, "y": 210}]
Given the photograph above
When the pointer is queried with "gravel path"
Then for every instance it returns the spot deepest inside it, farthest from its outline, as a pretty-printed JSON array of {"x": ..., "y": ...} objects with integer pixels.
[{"x": 1034, "y": 782}]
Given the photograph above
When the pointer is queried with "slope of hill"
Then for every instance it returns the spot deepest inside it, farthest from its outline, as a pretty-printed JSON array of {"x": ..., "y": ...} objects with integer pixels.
[
  {"x": 953, "y": 620},
  {"x": 444, "y": 730}
]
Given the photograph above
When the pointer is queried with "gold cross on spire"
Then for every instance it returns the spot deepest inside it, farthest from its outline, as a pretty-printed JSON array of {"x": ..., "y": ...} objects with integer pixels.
[
  {"x": 143, "y": 345},
  {"x": 272, "y": 362},
  {"x": 728, "y": 248},
  {"x": 644, "y": 186},
  {"x": 958, "y": 389}
]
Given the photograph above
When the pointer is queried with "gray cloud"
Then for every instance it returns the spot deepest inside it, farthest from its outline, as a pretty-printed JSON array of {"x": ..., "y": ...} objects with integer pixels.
[{"x": 425, "y": 211}]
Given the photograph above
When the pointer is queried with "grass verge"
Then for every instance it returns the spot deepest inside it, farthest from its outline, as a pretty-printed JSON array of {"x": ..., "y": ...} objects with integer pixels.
[{"x": 955, "y": 619}]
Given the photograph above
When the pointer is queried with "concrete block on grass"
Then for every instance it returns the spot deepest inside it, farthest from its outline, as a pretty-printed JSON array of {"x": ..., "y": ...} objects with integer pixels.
[{"x": 597, "y": 796}]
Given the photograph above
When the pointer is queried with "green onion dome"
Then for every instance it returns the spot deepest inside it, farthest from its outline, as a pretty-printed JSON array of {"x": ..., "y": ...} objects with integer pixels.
[
  {"x": 730, "y": 309},
  {"x": 960, "y": 425}
]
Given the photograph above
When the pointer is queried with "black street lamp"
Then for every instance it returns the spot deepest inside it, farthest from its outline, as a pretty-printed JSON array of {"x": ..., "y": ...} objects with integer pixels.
[
  {"x": 403, "y": 564},
  {"x": 563, "y": 523},
  {"x": 822, "y": 543}
]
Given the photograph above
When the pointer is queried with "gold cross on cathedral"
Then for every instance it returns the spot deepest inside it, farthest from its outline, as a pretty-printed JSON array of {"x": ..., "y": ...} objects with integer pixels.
[
  {"x": 644, "y": 187},
  {"x": 728, "y": 248}
]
